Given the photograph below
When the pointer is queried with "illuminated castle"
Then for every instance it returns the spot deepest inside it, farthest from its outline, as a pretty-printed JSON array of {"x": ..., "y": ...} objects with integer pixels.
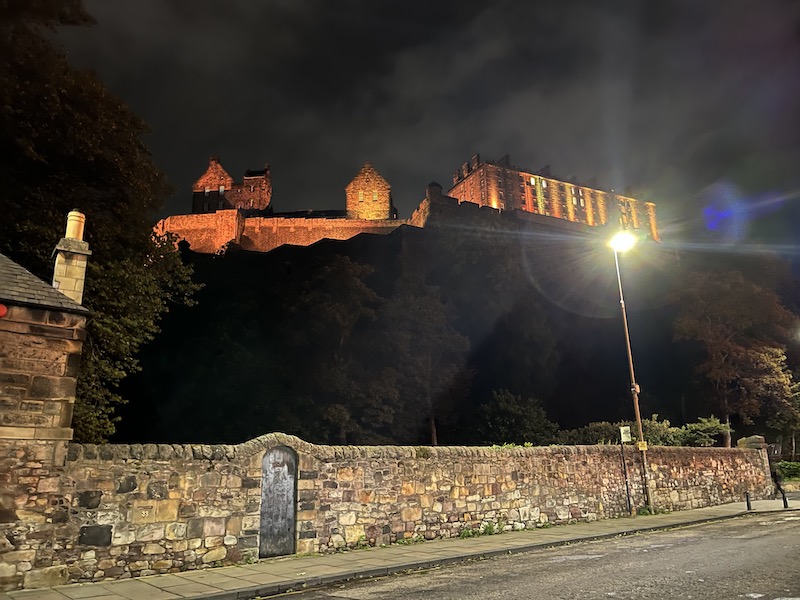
[
  {"x": 227, "y": 214},
  {"x": 503, "y": 186}
]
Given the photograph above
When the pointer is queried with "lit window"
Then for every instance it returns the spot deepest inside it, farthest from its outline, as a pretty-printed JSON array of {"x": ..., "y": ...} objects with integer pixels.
[
  {"x": 544, "y": 183},
  {"x": 533, "y": 181},
  {"x": 582, "y": 203},
  {"x": 208, "y": 190},
  {"x": 360, "y": 195},
  {"x": 374, "y": 194},
  {"x": 222, "y": 189}
]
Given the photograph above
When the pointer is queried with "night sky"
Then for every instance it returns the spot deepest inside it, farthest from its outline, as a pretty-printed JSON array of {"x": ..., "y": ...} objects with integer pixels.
[{"x": 695, "y": 104}]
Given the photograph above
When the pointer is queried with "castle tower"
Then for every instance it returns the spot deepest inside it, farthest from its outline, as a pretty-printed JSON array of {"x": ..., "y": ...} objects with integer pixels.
[
  {"x": 216, "y": 190},
  {"x": 369, "y": 196}
]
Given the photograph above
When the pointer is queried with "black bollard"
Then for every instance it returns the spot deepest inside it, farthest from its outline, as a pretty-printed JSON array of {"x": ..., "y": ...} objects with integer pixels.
[
  {"x": 785, "y": 501},
  {"x": 747, "y": 499}
]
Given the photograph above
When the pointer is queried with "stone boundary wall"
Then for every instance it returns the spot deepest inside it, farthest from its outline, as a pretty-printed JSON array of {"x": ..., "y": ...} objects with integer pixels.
[
  {"x": 352, "y": 495},
  {"x": 116, "y": 511}
]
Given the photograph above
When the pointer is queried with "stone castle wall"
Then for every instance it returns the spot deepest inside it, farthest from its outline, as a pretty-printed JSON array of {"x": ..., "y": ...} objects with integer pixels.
[
  {"x": 128, "y": 510},
  {"x": 262, "y": 234},
  {"x": 206, "y": 233},
  {"x": 211, "y": 232}
]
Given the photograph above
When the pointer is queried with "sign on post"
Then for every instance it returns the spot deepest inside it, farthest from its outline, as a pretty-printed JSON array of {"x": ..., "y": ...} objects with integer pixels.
[{"x": 625, "y": 434}]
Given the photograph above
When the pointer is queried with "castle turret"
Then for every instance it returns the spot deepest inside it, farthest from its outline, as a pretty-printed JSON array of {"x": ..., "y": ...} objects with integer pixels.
[{"x": 369, "y": 196}]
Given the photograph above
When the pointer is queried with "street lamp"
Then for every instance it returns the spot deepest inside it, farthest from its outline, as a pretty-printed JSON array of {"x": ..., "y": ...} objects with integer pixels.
[{"x": 621, "y": 243}]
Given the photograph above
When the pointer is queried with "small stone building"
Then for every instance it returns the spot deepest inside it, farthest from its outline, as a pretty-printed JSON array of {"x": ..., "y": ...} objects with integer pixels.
[
  {"x": 216, "y": 190},
  {"x": 369, "y": 196},
  {"x": 41, "y": 337}
]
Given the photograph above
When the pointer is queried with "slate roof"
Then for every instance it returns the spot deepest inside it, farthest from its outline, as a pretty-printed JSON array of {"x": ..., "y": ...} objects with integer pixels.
[{"x": 19, "y": 286}]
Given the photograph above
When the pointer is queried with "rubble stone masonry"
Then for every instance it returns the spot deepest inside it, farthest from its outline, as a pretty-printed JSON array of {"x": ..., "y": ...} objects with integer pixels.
[
  {"x": 127, "y": 510},
  {"x": 213, "y": 232},
  {"x": 39, "y": 357}
]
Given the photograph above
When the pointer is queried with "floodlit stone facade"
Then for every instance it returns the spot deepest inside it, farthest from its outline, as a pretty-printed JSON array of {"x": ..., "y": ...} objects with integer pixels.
[
  {"x": 216, "y": 190},
  {"x": 501, "y": 185},
  {"x": 227, "y": 214},
  {"x": 369, "y": 196},
  {"x": 229, "y": 218}
]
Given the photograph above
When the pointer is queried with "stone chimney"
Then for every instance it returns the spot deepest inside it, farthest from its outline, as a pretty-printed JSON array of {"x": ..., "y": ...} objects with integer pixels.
[{"x": 72, "y": 255}]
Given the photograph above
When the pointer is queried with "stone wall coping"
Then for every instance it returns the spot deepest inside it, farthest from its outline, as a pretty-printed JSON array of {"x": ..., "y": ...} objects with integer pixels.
[{"x": 230, "y": 452}]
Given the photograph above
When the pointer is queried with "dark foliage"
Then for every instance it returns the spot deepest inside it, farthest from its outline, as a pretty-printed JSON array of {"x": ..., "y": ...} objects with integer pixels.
[{"x": 67, "y": 142}]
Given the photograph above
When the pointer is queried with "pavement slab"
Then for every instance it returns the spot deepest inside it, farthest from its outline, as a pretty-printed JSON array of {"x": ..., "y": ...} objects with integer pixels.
[{"x": 278, "y": 575}]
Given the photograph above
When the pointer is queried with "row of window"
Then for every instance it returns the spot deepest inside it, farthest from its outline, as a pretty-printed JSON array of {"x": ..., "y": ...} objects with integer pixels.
[
  {"x": 222, "y": 189},
  {"x": 361, "y": 195}
]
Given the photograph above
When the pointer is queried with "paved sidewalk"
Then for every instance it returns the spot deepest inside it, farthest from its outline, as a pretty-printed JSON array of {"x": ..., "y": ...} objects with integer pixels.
[{"x": 273, "y": 576}]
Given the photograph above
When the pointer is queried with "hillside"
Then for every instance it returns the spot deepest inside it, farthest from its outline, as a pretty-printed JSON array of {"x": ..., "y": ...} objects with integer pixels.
[{"x": 392, "y": 338}]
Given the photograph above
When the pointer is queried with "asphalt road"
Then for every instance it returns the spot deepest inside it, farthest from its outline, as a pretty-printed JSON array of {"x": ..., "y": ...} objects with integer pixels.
[{"x": 747, "y": 557}]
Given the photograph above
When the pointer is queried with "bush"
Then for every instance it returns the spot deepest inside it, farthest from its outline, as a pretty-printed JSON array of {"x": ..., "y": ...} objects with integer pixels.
[
  {"x": 657, "y": 433},
  {"x": 789, "y": 470}
]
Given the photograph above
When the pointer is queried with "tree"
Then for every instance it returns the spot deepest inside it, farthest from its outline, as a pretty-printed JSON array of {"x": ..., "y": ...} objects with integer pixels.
[
  {"x": 507, "y": 418},
  {"x": 68, "y": 142},
  {"x": 742, "y": 328},
  {"x": 429, "y": 354},
  {"x": 334, "y": 305}
]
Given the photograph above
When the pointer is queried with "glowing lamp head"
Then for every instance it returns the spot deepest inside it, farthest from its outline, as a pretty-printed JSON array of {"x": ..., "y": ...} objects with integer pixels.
[{"x": 622, "y": 241}]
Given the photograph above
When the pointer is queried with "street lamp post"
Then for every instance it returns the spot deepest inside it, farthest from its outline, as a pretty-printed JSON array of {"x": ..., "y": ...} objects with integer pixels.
[{"x": 620, "y": 243}]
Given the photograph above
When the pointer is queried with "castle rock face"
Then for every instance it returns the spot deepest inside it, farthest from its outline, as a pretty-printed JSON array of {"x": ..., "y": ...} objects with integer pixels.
[{"x": 229, "y": 214}]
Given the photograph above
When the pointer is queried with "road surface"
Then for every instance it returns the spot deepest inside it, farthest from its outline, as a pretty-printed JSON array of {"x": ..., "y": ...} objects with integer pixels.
[{"x": 756, "y": 556}]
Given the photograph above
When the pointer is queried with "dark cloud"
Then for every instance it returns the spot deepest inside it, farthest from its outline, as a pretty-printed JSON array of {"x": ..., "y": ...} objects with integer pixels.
[{"x": 667, "y": 96}]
